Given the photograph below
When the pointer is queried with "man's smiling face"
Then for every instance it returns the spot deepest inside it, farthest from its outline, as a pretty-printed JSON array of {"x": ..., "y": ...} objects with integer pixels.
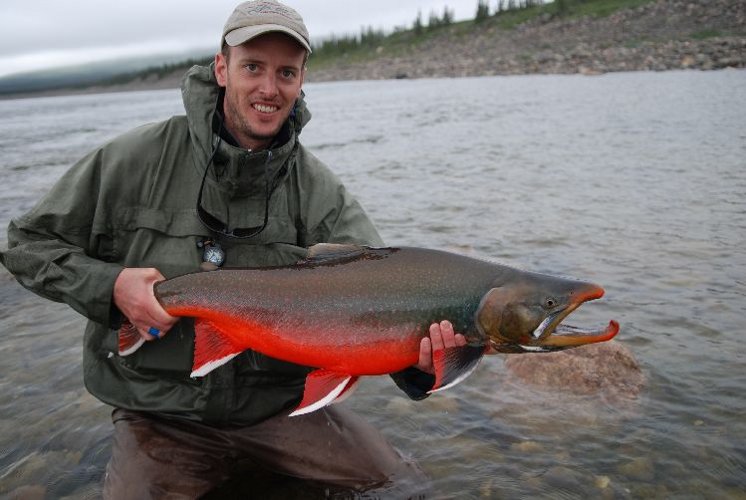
[{"x": 262, "y": 80}]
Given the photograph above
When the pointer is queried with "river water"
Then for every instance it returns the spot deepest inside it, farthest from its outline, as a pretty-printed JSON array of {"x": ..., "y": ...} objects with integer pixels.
[{"x": 636, "y": 181}]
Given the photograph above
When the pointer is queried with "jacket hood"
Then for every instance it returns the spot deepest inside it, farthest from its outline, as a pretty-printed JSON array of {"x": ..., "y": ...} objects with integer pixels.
[{"x": 235, "y": 172}]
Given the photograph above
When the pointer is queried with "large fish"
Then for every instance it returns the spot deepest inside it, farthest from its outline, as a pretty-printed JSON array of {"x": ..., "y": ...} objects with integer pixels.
[{"x": 350, "y": 311}]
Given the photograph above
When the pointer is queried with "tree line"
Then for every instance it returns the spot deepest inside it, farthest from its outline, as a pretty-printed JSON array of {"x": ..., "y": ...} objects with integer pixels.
[
  {"x": 484, "y": 10},
  {"x": 372, "y": 38}
]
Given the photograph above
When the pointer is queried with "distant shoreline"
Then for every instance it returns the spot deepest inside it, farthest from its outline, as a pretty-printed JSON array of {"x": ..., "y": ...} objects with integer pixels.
[{"x": 656, "y": 36}]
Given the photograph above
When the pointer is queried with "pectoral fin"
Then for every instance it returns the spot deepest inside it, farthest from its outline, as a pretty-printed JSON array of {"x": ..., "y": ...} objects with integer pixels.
[
  {"x": 454, "y": 364},
  {"x": 129, "y": 339},
  {"x": 323, "y": 387},
  {"x": 211, "y": 348}
]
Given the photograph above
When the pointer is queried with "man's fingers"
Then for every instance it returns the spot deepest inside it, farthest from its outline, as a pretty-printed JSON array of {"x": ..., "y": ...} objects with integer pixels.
[
  {"x": 441, "y": 336},
  {"x": 436, "y": 337},
  {"x": 446, "y": 332},
  {"x": 158, "y": 317},
  {"x": 155, "y": 323},
  {"x": 147, "y": 336},
  {"x": 158, "y": 314},
  {"x": 134, "y": 295},
  {"x": 151, "y": 324},
  {"x": 426, "y": 355},
  {"x": 152, "y": 330}
]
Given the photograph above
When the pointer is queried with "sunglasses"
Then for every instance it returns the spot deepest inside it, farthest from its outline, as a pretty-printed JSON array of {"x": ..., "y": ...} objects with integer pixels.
[{"x": 217, "y": 226}]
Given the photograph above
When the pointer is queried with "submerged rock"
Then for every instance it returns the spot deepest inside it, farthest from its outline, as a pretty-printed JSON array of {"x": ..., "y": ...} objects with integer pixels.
[
  {"x": 608, "y": 369},
  {"x": 640, "y": 469}
]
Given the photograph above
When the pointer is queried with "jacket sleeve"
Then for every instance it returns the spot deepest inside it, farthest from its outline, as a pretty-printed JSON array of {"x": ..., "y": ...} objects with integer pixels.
[
  {"x": 60, "y": 250},
  {"x": 414, "y": 383},
  {"x": 328, "y": 212},
  {"x": 345, "y": 222}
]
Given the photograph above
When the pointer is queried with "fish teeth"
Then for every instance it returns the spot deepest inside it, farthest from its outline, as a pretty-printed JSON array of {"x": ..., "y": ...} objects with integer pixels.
[{"x": 541, "y": 328}]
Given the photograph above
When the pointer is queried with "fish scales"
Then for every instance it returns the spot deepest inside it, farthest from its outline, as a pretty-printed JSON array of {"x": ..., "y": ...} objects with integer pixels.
[{"x": 327, "y": 310}]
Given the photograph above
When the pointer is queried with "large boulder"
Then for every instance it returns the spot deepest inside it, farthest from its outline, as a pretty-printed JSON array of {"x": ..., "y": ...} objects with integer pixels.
[{"x": 608, "y": 369}]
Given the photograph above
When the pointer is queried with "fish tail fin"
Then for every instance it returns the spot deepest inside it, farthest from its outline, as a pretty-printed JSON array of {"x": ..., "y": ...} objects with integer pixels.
[
  {"x": 211, "y": 348},
  {"x": 324, "y": 387},
  {"x": 129, "y": 339},
  {"x": 454, "y": 364}
]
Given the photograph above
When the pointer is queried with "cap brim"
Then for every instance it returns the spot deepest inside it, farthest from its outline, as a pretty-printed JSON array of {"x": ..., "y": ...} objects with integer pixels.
[{"x": 243, "y": 35}]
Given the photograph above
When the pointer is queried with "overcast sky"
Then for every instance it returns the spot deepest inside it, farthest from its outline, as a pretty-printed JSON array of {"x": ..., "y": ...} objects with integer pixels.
[{"x": 38, "y": 34}]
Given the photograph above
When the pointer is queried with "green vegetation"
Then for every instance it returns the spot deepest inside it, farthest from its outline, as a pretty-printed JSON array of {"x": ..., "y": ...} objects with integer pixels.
[
  {"x": 711, "y": 33},
  {"x": 370, "y": 42},
  {"x": 483, "y": 11},
  {"x": 597, "y": 8},
  {"x": 504, "y": 14}
]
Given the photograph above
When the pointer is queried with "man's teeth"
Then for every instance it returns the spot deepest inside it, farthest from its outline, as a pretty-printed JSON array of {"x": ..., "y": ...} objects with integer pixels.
[{"x": 265, "y": 109}]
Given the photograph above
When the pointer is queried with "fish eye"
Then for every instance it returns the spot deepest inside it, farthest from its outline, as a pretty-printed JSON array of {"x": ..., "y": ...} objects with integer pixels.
[{"x": 550, "y": 302}]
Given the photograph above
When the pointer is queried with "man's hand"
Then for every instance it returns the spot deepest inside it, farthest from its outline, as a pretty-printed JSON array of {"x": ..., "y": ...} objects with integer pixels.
[
  {"x": 441, "y": 337},
  {"x": 133, "y": 295}
]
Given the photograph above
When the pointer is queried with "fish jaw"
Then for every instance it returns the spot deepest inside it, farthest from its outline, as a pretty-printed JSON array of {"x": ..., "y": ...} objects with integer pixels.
[
  {"x": 554, "y": 335},
  {"x": 529, "y": 318},
  {"x": 564, "y": 337}
]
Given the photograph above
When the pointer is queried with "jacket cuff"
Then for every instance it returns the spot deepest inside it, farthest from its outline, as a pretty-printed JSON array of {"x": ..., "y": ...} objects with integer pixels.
[
  {"x": 101, "y": 307},
  {"x": 415, "y": 383}
]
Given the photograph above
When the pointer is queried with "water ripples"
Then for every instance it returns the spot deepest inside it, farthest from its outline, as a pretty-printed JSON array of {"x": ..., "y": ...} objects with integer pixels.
[{"x": 609, "y": 179}]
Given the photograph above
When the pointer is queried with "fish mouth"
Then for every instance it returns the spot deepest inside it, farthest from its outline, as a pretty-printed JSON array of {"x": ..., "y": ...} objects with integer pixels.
[
  {"x": 553, "y": 335},
  {"x": 567, "y": 336}
]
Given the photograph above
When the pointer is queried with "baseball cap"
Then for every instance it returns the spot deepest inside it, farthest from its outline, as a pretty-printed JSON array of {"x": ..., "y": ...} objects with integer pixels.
[{"x": 257, "y": 17}]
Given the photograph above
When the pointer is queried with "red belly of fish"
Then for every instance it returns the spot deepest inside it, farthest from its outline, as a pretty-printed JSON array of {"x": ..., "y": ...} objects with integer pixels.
[{"x": 358, "y": 350}]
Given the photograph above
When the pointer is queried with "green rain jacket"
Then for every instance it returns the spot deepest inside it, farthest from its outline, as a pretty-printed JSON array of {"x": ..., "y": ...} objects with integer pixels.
[{"x": 131, "y": 203}]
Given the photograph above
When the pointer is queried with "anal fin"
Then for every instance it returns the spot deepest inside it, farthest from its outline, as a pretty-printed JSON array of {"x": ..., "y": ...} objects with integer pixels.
[
  {"x": 323, "y": 387},
  {"x": 348, "y": 390},
  {"x": 454, "y": 364},
  {"x": 211, "y": 348}
]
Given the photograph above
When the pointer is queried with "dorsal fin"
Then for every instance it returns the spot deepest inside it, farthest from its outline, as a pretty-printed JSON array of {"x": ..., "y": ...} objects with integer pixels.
[{"x": 326, "y": 253}]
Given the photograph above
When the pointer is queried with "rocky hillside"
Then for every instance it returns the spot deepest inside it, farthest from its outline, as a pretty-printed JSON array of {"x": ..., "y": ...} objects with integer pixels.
[{"x": 661, "y": 35}]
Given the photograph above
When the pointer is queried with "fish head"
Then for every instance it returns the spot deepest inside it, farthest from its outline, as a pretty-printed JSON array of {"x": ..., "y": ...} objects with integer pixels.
[{"x": 526, "y": 314}]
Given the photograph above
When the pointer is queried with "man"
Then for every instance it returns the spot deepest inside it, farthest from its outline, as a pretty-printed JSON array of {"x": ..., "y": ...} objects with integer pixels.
[{"x": 227, "y": 183}]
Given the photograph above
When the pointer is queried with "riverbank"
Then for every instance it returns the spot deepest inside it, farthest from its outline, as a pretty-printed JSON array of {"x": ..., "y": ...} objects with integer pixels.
[{"x": 661, "y": 35}]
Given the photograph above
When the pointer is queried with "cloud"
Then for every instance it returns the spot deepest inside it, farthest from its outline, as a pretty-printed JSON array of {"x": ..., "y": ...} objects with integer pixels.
[{"x": 48, "y": 33}]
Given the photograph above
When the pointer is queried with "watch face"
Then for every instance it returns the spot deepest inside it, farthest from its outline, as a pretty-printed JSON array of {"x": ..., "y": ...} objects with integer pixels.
[{"x": 214, "y": 254}]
